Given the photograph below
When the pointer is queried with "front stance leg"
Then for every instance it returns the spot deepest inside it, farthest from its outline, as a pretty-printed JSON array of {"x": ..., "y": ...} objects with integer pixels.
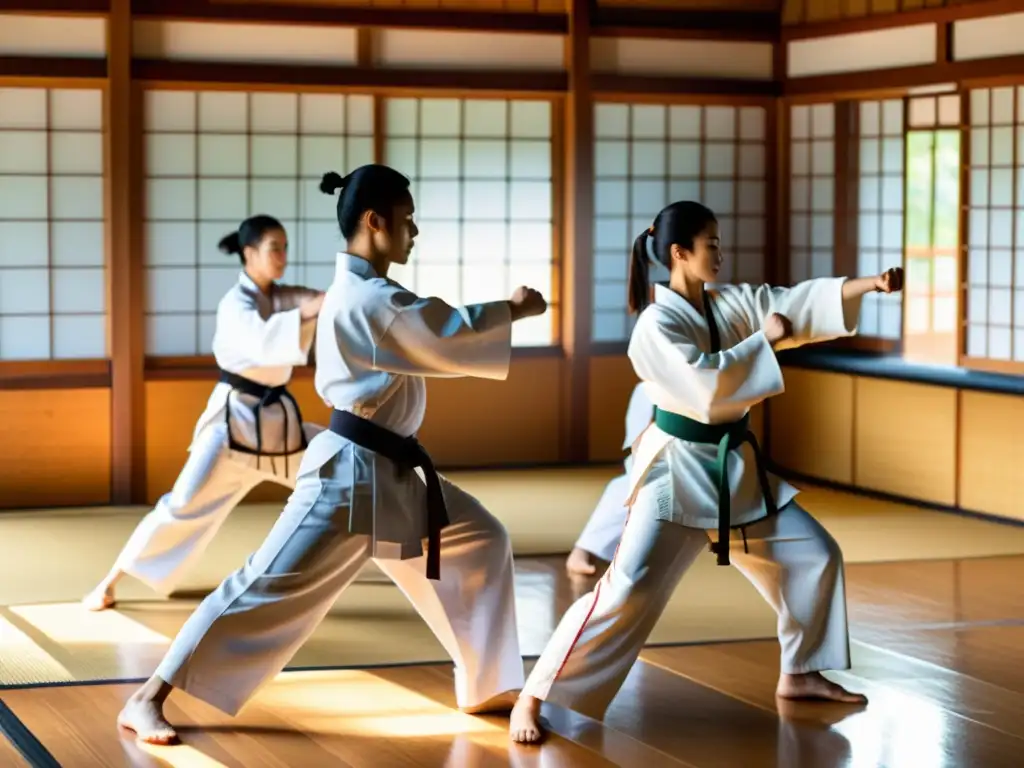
[
  {"x": 797, "y": 567},
  {"x": 143, "y": 713},
  {"x": 601, "y": 635}
]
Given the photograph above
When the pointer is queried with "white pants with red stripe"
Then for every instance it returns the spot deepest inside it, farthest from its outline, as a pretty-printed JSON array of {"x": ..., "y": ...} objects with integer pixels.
[{"x": 792, "y": 561}]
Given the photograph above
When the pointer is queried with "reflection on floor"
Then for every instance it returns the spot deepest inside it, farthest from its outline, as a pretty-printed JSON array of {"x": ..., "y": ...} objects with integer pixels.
[{"x": 937, "y": 643}]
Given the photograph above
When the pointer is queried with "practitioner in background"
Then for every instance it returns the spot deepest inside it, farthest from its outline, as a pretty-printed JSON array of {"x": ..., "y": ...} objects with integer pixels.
[
  {"x": 601, "y": 534},
  {"x": 360, "y": 494},
  {"x": 706, "y": 356},
  {"x": 251, "y": 430}
]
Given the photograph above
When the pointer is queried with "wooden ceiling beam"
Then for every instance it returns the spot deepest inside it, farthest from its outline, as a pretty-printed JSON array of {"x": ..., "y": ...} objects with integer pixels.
[
  {"x": 56, "y": 7},
  {"x": 351, "y": 16},
  {"x": 226, "y": 74},
  {"x": 52, "y": 66},
  {"x": 611, "y": 84},
  {"x": 754, "y": 26},
  {"x": 879, "y": 21}
]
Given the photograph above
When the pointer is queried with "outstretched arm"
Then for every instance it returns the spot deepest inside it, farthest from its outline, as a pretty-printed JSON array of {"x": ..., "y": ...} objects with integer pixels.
[
  {"x": 819, "y": 309},
  {"x": 706, "y": 384},
  {"x": 428, "y": 337}
]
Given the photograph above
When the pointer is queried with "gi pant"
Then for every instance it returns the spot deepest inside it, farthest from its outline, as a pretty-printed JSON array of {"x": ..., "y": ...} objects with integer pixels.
[
  {"x": 246, "y": 631},
  {"x": 603, "y": 530},
  {"x": 214, "y": 480},
  {"x": 792, "y": 561}
]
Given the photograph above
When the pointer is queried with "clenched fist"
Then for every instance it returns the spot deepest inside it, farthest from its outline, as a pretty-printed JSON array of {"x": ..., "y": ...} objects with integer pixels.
[
  {"x": 890, "y": 281},
  {"x": 526, "y": 302},
  {"x": 777, "y": 328}
]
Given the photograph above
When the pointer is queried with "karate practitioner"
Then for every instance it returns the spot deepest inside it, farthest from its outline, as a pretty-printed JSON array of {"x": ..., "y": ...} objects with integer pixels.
[
  {"x": 705, "y": 358},
  {"x": 251, "y": 430},
  {"x": 359, "y": 495},
  {"x": 601, "y": 534}
]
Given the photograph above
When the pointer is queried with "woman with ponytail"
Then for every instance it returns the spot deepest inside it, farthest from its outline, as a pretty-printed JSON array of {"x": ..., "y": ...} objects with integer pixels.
[
  {"x": 252, "y": 428},
  {"x": 367, "y": 488},
  {"x": 706, "y": 355}
]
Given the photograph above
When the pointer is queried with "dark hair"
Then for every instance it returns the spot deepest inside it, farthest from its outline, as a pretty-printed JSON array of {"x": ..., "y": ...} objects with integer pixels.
[
  {"x": 368, "y": 188},
  {"x": 677, "y": 224},
  {"x": 250, "y": 234}
]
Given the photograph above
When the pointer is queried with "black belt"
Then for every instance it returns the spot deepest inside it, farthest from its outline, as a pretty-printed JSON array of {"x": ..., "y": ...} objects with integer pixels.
[
  {"x": 407, "y": 453},
  {"x": 267, "y": 396}
]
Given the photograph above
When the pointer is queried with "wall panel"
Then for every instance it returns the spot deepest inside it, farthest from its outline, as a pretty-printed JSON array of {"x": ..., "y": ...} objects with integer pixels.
[
  {"x": 991, "y": 453},
  {"x": 243, "y": 43},
  {"x": 55, "y": 449},
  {"x": 812, "y": 425},
  {"x": 988, "y": 37},
  {"x": 612, "y": 381},
  {"x": 52, "y": 242},
  {"x": 862, "y": 51},
  {"x": 53, "y": 36},
  {"x": 905, "y": 439}
]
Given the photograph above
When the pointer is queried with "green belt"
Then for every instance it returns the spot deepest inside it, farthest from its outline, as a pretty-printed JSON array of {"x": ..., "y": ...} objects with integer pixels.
[{"x": 728, "y": 437}]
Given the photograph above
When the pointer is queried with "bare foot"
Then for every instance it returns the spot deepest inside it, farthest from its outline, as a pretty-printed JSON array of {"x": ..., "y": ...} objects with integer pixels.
[
  {"x": 503, "y": 702},
  {"x": 146, "y": 719},
  {"x": 100, "y": 599},
  {"x": 580, "y": 562},
  {"x": 813, "y": 685},
  {"x": 524, "y": 723}
]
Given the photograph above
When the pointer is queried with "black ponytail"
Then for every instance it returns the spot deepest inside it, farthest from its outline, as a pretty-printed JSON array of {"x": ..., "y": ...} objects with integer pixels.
[
  {"x": 331, "y": 183},
  {"x": 376, "y": 188},
  {"x": 639, "y": 275},
  {"x": 679, "y": 224},
  {"x": 250, "y": 234}
]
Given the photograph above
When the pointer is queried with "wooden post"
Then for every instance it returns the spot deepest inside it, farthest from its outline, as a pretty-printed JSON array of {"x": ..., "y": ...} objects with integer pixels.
[
  {"x": 578, "y": 220},
  {"x": 123, "y": 153}
]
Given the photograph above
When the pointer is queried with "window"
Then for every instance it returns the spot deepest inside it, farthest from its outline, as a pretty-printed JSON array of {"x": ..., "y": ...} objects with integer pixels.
[
  {"x": 995, "y": 236},
  {"x": 52, "y": 242},
  {"x": 649, "y": 155},
  {"x": 931, "y": 321},
  {"x": 880, "y": 211},
  {"x": 812, "y": 192},
  {"x": 213, "y": 159},
  {"x": 481, "y": 175}
]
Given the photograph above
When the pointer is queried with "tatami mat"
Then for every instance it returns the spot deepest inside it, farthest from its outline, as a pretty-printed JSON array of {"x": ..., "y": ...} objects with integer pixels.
[{"x": 49, "y": 559}]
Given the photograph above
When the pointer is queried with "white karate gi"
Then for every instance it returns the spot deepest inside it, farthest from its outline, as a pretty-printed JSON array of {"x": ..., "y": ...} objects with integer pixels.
[
  {"x": 261, "y": 338},
  {"x": 375, "y": 343},
  {"x": 792, "y": 561},
  {"x": 601, "y": 534}
]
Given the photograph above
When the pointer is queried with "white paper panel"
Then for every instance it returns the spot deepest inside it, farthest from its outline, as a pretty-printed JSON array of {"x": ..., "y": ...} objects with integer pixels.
[
  {"x": 481, "y": 173},
  {"x": 215, "y": 158},
  {"x": 52, "y": 239}
]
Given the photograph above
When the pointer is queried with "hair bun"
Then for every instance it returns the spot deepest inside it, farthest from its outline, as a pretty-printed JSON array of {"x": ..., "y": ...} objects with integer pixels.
[
  {"x": 331, "y": 183},
  {"x": 231, "y": 244}
]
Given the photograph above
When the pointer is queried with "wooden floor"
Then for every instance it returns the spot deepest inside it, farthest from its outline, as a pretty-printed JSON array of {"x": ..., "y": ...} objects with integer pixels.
[{"x": 938, "y": 646}]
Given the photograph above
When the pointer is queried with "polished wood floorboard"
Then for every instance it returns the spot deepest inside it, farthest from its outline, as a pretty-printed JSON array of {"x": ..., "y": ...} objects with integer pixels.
[{"x": 938, "y": 646}]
